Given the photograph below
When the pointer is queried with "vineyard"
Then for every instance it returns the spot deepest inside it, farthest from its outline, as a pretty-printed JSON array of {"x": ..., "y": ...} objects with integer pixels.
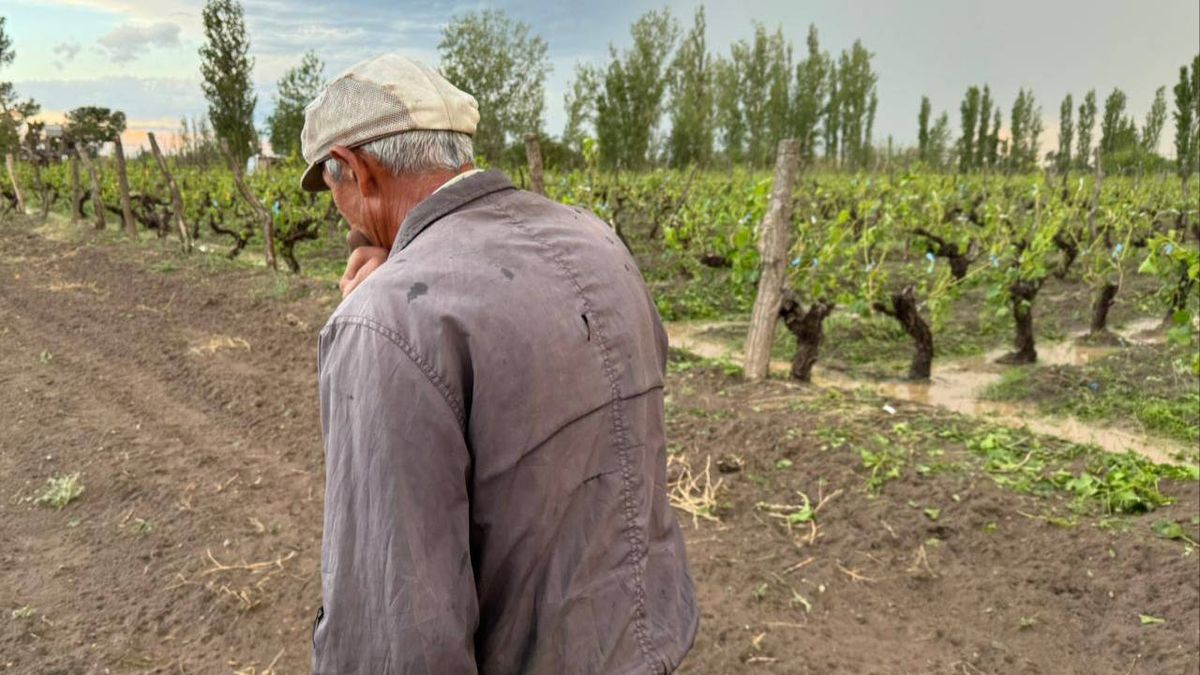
[
  {"x": 901, "y": 490},
  {"x": 908, "y": 245}
]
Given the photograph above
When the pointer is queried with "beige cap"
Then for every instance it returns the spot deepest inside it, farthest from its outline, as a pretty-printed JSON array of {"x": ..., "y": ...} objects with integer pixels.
[{"x": 382, "y": 96}]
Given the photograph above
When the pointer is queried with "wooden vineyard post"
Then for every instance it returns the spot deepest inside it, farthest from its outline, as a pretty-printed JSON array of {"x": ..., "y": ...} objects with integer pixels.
[
  {"x": 12, "y": 176},
  {"x": 773, "y": 248},
  {"x": 123, "y": 186},
  {"x": 176, "y": 200},
  {"x": 76, "y": 207},
  {"x": 267, "y": 221},
  {"x": 97, "y": 198},
  {"x": 533, "y": 152},
  {"x": 43, "y": 190},
  {"x": 1096, "y": 185}
]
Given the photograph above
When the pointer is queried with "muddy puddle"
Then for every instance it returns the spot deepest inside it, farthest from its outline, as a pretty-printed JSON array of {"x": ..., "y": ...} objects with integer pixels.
[{"x": 958, "y": 385}]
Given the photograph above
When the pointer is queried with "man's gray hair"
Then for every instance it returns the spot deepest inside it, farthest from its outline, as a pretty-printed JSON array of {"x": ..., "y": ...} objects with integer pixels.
[{"x": 415, "y": 152}]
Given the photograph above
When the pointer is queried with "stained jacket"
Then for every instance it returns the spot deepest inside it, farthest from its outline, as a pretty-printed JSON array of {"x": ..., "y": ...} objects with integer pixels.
[{"x": 492, "y": 411}]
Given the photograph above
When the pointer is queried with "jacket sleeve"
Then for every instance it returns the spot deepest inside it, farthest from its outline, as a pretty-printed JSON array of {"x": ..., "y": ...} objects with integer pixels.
[{"x": 397, "y": 582}]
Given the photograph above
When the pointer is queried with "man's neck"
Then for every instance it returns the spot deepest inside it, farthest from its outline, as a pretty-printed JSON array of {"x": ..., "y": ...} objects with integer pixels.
[{"x": 412, "y": 189}]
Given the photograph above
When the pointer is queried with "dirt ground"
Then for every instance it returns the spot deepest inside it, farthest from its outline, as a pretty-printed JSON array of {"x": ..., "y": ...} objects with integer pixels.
[{"x": 184, "y": 394}]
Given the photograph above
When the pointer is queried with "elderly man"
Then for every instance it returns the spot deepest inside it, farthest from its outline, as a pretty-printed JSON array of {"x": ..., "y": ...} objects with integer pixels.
[{"x": 492, "y": 409}]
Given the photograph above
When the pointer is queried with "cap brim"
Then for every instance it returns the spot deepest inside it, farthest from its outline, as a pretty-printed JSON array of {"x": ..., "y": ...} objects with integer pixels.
[{"x": 313, "y": 179}]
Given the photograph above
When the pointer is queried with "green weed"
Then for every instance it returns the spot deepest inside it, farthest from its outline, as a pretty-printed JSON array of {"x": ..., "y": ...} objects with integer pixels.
[{"x": 62, "y": 490}]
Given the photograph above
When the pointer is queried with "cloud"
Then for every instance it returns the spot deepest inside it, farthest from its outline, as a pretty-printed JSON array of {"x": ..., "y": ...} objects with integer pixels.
[
  {"x": 130, "y": 40},
  {"x": 66, "y": 51}
]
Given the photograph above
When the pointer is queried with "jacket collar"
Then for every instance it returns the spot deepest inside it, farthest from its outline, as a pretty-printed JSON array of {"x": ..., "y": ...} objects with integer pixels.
[{"x": 446, "y": 201}]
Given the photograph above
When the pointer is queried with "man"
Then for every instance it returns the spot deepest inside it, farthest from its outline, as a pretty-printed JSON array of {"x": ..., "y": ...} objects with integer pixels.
[{"x": 492, "y": 410}]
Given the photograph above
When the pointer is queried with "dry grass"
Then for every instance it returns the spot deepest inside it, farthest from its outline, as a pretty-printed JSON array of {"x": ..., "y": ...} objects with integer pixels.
[
  {"x": 217, "y": 343},
  {"x": 692, "y": 492}
]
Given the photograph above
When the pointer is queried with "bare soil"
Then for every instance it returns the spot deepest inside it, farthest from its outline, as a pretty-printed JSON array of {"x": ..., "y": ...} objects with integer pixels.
[{"x": 184, "y": 393}]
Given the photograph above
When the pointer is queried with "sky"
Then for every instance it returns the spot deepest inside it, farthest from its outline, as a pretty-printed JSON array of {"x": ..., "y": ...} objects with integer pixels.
[{"x": 140, "y": 56}]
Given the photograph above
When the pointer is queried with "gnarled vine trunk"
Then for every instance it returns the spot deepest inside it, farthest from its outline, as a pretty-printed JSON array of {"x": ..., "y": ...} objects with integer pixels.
[
  {"x": 904, "y": 310},
  {"x": 1100, "y": 307},
  {"x": 1021, "y": 297},
  {"x": 807, "y": 326}
]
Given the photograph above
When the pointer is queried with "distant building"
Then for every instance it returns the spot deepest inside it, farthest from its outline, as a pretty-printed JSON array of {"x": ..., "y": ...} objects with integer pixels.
[{"x": 261, "y": 161}]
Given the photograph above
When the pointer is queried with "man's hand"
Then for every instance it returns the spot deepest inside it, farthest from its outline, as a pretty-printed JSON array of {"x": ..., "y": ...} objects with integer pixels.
[{"x": 363, "y": 261}]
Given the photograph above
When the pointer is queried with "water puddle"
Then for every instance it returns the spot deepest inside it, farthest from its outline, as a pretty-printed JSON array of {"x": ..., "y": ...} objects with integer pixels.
[{"x": 957, "y": 385}]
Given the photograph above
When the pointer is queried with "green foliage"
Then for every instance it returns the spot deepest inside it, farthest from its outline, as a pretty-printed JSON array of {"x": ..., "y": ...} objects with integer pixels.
[
  {"x": 1025, "y": 126},
  {"x": 1187, "y": 119},
  {"x": 691, "y": 104},
  {"x": 1066, "y": 133},
  {"x": 630, "y": 102},
  {"x": 1087, "y": 122},
  {"x": 228, "y": 83},
  {"x": 92, "y": 126},
  {"x": 504, "y": 66},
  {"x": 60, "y": 491},
  {"x": 14, "y": 111},
  {"x": 295, "y": 90}
]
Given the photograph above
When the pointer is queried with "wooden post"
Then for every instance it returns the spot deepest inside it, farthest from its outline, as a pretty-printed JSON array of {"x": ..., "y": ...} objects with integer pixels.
[
  {"x": 12, "y": 176},
  {"x": 176, "y": 200},
  {"x": 123, "y": 185},
  {"x": 97, "y": 198},
  {"x": 773, "y": 238},
  {"x": 43, "y": 189},
  {"x": 533, "y": 152},
  {"x": 1095, "y": 205},
  {"x": 76, "y": 207},
  {"x": 268, "y": 223}
]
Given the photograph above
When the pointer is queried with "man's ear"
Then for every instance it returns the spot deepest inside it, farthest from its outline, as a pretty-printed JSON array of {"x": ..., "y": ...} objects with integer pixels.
[{"x": 359, "y": 171}]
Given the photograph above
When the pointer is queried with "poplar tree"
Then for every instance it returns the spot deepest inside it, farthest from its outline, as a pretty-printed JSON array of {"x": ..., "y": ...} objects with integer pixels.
[
  {"x": 630, "y": 103},
  {"x": 1087, "y": 121},
  {"x": 580, "y": 102},
  {"x": 504, "y": 65},
  {"x": 226, "y": 67},
  {"x": 728, "y": 114},
  {"x": 295, "y": 90},
  {"x": 939, "y": 140},
  {"x": 691, "y": 138},
  {"x": 808, "y": 95},
  {"x": 857, "y": 98},
  {"x": 832, "y": 125},
  {"x": 969, "y": 118},
  {"x": 1066, "y": 133},
  {"x": 923, "y": 130},
  {"x": 1187, "y": 120},
  {"x": 993, "y": 143},
  {"x": 1156, "y": 118},
  {"x": 984, "y": 135},
  {"x": 764, "y": 68},
  {"x": 1118, "y": 132}
]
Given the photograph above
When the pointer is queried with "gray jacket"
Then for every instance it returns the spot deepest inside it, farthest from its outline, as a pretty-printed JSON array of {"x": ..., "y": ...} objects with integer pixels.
[{"x": 492, "y": 409}]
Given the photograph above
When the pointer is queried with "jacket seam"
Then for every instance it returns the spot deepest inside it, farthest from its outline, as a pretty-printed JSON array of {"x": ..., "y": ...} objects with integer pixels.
[
  {"x": 621, "y": 441},
  {"x": 405, "y": 346}
]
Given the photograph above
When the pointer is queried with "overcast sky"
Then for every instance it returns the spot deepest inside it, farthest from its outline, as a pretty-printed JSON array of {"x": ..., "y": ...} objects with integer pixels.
[{"x": 140, "y": 56}]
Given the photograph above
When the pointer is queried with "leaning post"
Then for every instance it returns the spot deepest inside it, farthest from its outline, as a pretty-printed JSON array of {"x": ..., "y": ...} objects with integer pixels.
[
  {"x": 533, "y": 152},
  {"x": 773, "y": 241},
  {"x": 185, "y": 237},
  {"x": 76, "y": 198},
  {"x": 123, "y": 186},
  {"x": 97, "y": 197},
  {"x": 268, "y": 223},
  {"x": 12, "y": 176}
]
